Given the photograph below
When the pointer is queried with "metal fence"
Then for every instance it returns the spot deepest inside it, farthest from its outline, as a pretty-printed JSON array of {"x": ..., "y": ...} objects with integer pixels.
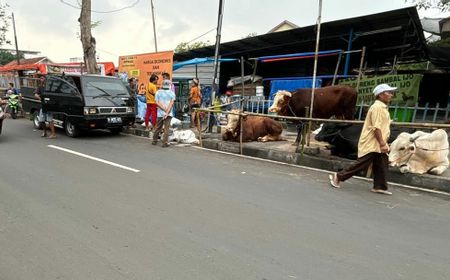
[
  {"x": 405, "y": 113},
  {"x": 399, "y": 113}
]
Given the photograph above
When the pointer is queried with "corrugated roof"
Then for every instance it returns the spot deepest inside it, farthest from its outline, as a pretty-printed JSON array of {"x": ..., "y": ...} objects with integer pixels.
[
  {"x": 386, "y": 35},
  {"x": 26, "y": 61}
]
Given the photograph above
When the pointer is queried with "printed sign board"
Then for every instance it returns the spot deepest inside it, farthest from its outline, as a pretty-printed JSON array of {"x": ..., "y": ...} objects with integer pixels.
[
  {"x": 406, "y": 94},
  {"x": 141, "y": 66}
]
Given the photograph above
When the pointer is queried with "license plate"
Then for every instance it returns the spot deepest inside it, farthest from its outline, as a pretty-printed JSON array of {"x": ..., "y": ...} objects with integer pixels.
[{"x": 114, "y": 120}]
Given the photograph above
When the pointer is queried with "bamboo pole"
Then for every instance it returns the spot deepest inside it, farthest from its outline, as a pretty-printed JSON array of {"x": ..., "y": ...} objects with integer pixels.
[
  {"x": 240, "y": 134},
  {"x": 199, "y": 125},
  {"x": 316, "y": 57}
]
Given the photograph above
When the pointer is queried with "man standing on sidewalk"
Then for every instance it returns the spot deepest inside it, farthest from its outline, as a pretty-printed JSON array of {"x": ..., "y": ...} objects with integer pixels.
[
  {"x": 372, "y": 145},
  {"x": 164, "y": 98},
  {"x": 150, "y": 98}
]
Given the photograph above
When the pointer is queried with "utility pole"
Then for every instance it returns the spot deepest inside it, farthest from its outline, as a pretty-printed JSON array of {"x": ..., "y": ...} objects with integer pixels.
[
  {"x": 216, "y": 53},
  {"x": 216, "y": 62},
  {"x": 154, "y": 26},
  {"x": 15, "y": 40}
]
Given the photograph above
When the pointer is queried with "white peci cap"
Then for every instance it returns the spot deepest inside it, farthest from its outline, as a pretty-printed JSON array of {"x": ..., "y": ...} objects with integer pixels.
[{"x": 382, "y": 88}]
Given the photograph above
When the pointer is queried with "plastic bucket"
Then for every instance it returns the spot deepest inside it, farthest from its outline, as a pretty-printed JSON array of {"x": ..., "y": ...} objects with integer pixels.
[{"x": 259, "y": 91}]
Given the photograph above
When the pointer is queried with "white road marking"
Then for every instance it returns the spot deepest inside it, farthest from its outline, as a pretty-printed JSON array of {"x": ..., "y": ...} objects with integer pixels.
[
  {"x": 324, "y": 171},
  {"x": 94, "y": 158}
]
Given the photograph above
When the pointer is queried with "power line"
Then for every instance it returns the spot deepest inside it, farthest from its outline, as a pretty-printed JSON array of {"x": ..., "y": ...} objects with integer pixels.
[
  {"x": 100, "y": 12},
  {"x": 105, "y": 51},
  {"x": 201, "y": 35}
]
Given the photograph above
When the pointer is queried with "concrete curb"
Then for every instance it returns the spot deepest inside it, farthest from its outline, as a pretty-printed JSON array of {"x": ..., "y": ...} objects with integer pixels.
[
  {"x": 312, "y": 158},
  {"x": 425, "y": 181}
]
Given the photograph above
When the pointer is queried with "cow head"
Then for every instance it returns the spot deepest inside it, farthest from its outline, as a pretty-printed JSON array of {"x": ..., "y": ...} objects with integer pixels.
[
  {"x": 280, "y": 101},
  {"x": 402, "y": 149},
  {"x": 329, "y": 131},
  {"x": 232, "y": 121}
]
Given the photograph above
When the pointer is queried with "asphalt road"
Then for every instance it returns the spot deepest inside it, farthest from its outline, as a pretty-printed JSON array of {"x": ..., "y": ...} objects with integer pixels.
[{"x": 189, "y": 213}]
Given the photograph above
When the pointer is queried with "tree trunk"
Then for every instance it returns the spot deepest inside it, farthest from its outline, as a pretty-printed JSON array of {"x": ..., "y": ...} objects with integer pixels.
[{"x": 87, "y": 40}]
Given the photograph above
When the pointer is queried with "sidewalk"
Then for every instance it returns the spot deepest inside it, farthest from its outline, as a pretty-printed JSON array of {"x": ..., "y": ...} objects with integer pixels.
[{"x": 316, "y": 156}]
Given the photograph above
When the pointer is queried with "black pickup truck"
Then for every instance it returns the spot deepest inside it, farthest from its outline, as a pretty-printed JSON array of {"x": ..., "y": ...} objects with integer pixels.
[{"x": 82, "y": 102}]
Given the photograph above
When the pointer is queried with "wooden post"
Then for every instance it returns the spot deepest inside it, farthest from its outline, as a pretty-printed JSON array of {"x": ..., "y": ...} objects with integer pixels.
[{"x": 308, "y": 133}]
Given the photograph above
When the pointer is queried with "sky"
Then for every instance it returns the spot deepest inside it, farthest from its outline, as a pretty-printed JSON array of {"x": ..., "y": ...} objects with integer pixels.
[{"x": 51, "y": 26}]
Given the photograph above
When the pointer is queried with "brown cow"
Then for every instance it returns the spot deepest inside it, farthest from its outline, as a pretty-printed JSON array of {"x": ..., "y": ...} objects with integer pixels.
[
  {"x": 338, "y": 101},
  {"x": 254, "y": 129}
]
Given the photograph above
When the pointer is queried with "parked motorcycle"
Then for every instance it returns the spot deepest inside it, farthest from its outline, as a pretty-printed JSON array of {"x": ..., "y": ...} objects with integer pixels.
[{"x": 13, "y": 104}]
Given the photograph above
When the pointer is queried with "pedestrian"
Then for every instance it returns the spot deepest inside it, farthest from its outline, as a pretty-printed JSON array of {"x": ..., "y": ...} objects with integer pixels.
[
  {"x": 44, "y": 116},
  {"x": 164, "y": 98},
  {"x": 12, "y": 88},
  {"x": 166, "y": 76},
  {"x": 195, "y": 99},
  {"x": 151, "y": 104},
  {"x": 372, "y": 144},
  {"x": 141, "y": 102}
]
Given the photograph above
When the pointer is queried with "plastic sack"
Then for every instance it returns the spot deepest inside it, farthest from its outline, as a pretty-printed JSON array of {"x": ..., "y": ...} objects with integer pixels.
[{"x": 174, "y": 122}]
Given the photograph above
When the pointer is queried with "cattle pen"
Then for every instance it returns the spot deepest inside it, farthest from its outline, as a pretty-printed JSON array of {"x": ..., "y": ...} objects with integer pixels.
[{"x": 306, "y": 133}]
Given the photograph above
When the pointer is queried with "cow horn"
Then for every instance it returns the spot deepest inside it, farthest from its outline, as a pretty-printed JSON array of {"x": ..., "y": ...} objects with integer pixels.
[
  {"x": 287, "y": 93},
  {"x": 413, "y": 139}
]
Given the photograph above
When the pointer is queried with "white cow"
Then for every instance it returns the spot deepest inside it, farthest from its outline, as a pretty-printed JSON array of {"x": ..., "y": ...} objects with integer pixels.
[{"x": 420, "y": 152}]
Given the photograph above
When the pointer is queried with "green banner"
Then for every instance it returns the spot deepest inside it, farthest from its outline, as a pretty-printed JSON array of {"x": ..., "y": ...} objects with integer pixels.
[{"x": 406, "y": 94}]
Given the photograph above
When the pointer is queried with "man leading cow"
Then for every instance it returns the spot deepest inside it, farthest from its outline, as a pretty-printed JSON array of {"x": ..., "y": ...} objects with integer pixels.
[{"x": 372, "y": 145}]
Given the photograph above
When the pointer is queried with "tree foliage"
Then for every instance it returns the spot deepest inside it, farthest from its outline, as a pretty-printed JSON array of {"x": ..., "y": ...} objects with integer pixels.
[
  {"x": 4, "y": 24},
  {"x": 6, "y": 57},
  {"x": 441, "y": 43},
  {"x": 249, "y": 35},
  {"x": 442, "y": 5},
  {"x": 184, "y": 46}
]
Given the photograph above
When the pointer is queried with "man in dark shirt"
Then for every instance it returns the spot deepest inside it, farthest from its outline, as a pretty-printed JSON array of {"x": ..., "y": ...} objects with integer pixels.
[{"x": 43, "y": 115}]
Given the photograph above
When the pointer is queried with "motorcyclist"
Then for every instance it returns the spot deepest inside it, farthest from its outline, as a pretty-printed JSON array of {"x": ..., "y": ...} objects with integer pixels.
[{"x": 13, "y": 103}]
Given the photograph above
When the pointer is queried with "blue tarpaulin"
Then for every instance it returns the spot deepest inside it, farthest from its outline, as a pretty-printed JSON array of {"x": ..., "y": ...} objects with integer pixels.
[
  {"x": 196, "y": 61},
  {"x": 291, "y": 85}
]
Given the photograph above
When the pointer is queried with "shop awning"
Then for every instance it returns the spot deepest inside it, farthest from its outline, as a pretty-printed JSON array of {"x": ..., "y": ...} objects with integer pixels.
[{"x": 196, "y": 61}]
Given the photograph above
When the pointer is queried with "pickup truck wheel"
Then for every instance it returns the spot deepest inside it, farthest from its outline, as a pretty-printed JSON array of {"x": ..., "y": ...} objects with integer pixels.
[
  {"x": 115, "y": 131},
  {"x": 36, "y": 123},
  {"x": 71, "y": 130}
]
